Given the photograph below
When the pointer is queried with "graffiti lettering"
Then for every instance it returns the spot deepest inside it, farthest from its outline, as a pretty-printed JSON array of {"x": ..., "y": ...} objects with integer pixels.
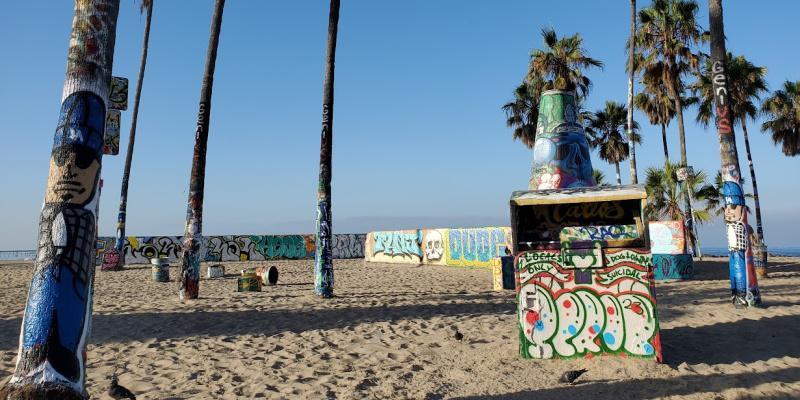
[{"x": 400, "y": 244}]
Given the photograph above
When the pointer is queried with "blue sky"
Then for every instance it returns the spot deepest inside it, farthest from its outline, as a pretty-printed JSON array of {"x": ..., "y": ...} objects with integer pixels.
[{"x": 419, "y": 136}]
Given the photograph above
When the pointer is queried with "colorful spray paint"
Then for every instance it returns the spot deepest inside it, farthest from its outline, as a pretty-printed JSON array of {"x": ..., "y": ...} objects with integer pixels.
[
  {"x": 55, "y": 328},
  {"x": 323, "y": 265},
  {"x": 126, "y": 172},
  {"x": 583, "y": 269},
  {"x": 193, "y": 238},
  {"x": 561, "y": 152},
  {"x": 744, "y": 286}
]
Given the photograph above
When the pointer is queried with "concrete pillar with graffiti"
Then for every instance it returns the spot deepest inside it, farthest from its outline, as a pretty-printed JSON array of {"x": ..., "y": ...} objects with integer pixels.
[
  {"x": 583, "y": 267},
  {"x": 744, "y": 285},
  {"x": 55, "y": 328},
  {"x": 560, "y": 152}
]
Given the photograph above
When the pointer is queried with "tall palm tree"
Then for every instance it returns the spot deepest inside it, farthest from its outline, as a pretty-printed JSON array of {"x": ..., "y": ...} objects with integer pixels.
[
  {"x": 145, "y": 5},
  {"x": 605, "y": 131},
  {"x": 655, "y": 102},
  {"x": 561, "y": 63},
  {"x": 746, "y": 83},
  {"x": 631, "y": 56},
  {"x": 192, "y": 238},
  {"x": 323, "y": 266},
  {"x": 744, "y": 292},
  {"x": 783, "y": 111},
  {"x": 668, "y": 30},
  {"x": 51, "y": 362},
  {"x": 522, "y": 113}
]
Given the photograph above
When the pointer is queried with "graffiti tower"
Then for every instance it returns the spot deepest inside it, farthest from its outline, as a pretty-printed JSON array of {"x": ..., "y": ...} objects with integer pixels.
[{"x": 583, "y": 267}]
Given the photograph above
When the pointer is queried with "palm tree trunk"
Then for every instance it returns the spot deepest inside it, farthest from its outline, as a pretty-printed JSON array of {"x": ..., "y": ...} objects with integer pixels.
[
  {"x": 664, "y": 141},
  {"x": 744, "y": 285},
  {"x": 761, "y": 256},
  {"x": 323, "y": 266},
  {"x": 192, "y": 237},
  {"x": 632, "y": 147},
  {"x": 687, "y": 197},
  {"x": 123, "y": 200},
  {"x": 51, "y": 362},
  {"x": 619, "y": 178}
]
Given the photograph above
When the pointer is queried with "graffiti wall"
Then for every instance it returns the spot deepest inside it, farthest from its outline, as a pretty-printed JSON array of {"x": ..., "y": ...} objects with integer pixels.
[
  {"x": 672, "y": 266},
  {"x": 394, "y": 246},
  {"x": 462, "y": 247},
  {"x": 667, "y": 237},
  {"x": 613, "y": 312},
  {"x": 139, "y": 250}
]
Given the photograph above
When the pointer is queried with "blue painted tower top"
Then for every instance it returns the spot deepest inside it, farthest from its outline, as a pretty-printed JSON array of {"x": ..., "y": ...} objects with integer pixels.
[{"x": 561, "y": 151}]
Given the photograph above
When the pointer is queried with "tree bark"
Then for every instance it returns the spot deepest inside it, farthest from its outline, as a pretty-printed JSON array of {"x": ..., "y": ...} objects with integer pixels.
[
  {"x": 761, "y": 270},
  {"x": 323, "y": 265},
  {"x": 123, "y": 201},
  {"x": 664, "y": 141},
  {"x": 632, "y": 147},
  {"x": 744, "y": 285},
  {"x": 191, "y": 251},
  {"x": 51, "y": 362},
  {"x": 687, "y": 196},
  {"x": 619, "y": 178}
]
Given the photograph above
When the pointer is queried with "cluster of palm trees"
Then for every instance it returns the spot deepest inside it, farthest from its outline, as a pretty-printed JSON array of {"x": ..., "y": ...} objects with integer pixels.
[{"x": 673, "y": 75}]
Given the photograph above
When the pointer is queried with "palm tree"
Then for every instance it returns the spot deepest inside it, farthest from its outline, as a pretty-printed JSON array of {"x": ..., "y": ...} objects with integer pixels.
[
  {"x": 522, "y": 113},
  {"x": 655, "y": 102},
  {"x": 744, "y": 292},
  {"x": 323, "y": 266},
  {"x": 561, "y": 63},
  {"x": 668, "y": 30},
  {"x": 123, "y": 200},
  {"x": 783, "y": 111},
  {"x": 192, "y": 237},
  {"x": 664, "y": 194},
  {"x": 599, "y": 177},
  {"x": 605, "y": 131},
  {"x": 745, "y": 85},
  {"x": 631, "y": 56},
  {"x": 51, "y": 361}
]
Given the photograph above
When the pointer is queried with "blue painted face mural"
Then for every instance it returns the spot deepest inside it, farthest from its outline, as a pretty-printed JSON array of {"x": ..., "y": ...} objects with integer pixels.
[{"x": 56, "y": 319}]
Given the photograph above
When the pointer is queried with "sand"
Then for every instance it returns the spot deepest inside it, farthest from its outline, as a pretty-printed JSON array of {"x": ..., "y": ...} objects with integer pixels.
[{"x": 389, "y": 333}]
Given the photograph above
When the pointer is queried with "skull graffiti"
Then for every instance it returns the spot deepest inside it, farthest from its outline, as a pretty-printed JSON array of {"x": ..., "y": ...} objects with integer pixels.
[{"x": 434, "y": 249}]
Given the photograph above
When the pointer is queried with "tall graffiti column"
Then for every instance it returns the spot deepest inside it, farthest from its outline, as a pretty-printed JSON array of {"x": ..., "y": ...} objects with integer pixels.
[
  {"x": 561, "y": 153},
  {"x": 191, "y": 253},
  {"x": 323, "y": 266},
  {"x": 744, "y": 287},
  {"x": 52, "y": 352}
]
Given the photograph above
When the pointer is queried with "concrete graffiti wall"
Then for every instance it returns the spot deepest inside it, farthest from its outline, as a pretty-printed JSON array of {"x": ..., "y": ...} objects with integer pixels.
[
  {"x": 462, "y": 247},
  {"x": 672, "y": 266},
  {"x": 614, "y": 312},
  {"x": 394, "y": 246},
  {"x": 667, "y": 237},
  {"x": 139, "y": 250},
  {"x": 668, "y": 245}
]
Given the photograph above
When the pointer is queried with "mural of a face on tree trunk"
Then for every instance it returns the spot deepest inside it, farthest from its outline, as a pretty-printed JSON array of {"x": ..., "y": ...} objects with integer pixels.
[{"x": 55, "y": 326}]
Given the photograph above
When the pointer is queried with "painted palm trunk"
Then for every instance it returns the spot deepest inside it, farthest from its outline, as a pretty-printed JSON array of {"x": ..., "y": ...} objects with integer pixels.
[
  {"x": 191, "y": 250},
  {"x": 52, "y": 353},
  {"x": 561, "y": 152},
  {"x": 323, "y": 265},
  {"x": 116, "y": 253},
  {"x": 744, "y": 285}
]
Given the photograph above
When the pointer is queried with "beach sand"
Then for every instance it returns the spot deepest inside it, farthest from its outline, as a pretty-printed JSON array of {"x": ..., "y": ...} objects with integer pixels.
[{"x": 389, "y": 333}]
